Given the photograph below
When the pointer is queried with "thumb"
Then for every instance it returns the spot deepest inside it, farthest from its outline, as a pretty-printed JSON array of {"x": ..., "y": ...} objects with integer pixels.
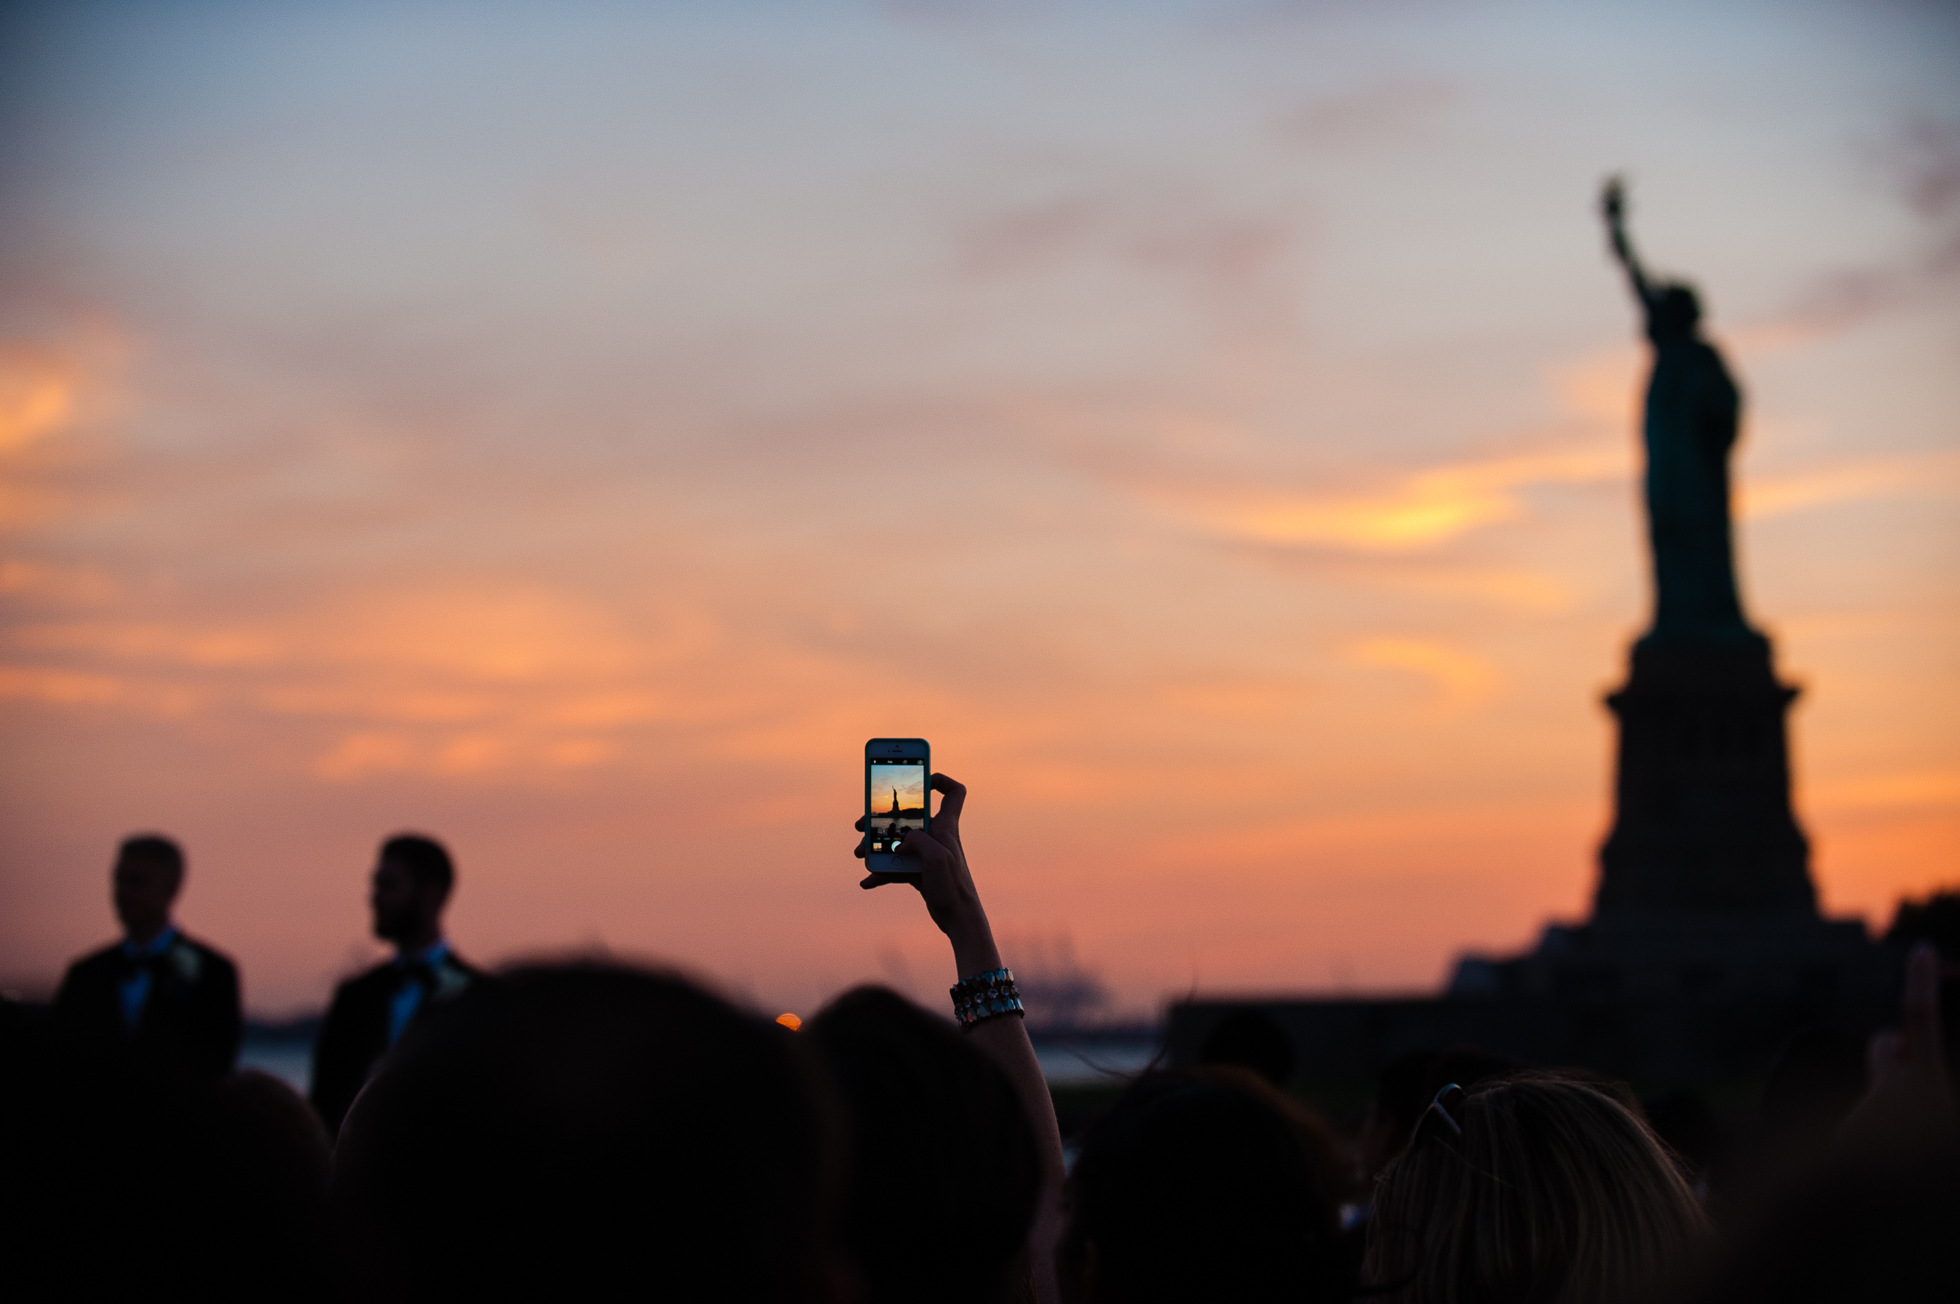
[{"x": 917, "y": 842}]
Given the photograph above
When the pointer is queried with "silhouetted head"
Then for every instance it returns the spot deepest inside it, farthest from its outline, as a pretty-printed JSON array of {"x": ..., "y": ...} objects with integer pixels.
[
  {"x": 1407, "y": 1084},
  {"x": 1250, "y": 1038},
  {"x": 1674, "y": 311},
  {"x": 1818, "y": 1076},
  {"x": 149, "y": 873},
  {"x": 1399, "y": 1099},
  {"x": 1857, "y": 1230},
  {"x": 118, "y": 1172},
  {"x": 1536, "y": 1187},
  {"x": 943, "y": 1171},
  {"x": 559, "y": 1131},
  {"x": 1193, "y": 1190},
  {"x": 1684, "y": 1122},
  {"x": 412, "y": 881}
]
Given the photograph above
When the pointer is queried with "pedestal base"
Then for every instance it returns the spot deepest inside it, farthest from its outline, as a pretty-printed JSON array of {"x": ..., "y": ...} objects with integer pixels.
[
  {"x": 1687, "y": 955},
  {"x": 1702, "y": 811}
]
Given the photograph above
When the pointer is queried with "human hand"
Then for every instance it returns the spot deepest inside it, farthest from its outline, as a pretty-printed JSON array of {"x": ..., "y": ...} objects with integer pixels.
[
  {"x": 1909, "y": 1103},
  {"x": 944, "y": 880}
]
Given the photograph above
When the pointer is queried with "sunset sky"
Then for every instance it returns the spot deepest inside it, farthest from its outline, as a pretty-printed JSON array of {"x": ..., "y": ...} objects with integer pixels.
[{"x": 476, "y": 419}]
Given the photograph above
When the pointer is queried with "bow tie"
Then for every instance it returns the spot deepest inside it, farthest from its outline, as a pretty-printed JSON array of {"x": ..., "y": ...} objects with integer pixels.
[
  {"x": 134, "y": 964},
  {"x": 423, "y": 973}
]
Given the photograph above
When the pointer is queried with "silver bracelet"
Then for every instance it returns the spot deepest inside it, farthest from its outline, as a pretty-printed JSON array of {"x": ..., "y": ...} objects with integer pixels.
[{"x": 987, "y": 995}]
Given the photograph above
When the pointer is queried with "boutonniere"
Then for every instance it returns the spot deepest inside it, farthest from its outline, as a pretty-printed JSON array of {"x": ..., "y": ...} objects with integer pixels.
[
  {"x": 450, "y": 981},
  {"x": 186, "y": 961}
]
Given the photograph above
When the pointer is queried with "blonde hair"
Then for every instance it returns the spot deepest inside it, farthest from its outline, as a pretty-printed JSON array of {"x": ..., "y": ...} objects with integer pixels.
[{"x": 1555, "y": 1193}]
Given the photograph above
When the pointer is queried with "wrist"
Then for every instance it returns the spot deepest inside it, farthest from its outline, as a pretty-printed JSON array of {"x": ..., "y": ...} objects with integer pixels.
[{"x": 973, "y": 948}]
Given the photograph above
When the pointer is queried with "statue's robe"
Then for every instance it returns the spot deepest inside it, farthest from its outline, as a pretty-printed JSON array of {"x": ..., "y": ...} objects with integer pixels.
[{"x": 1692, "y": 410}]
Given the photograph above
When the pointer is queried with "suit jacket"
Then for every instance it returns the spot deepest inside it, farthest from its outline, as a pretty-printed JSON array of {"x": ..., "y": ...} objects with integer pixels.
[
  {"x": 354, "y": 1036},
  {"x": 190, "y": 1022}
]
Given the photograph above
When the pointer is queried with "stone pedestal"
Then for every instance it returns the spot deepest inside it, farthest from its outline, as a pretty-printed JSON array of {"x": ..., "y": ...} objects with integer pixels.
[
  {"x": 1705, "y": 892},
  {"x": 1693, "y": 956},
  {"x": 1702, "y": 799}
]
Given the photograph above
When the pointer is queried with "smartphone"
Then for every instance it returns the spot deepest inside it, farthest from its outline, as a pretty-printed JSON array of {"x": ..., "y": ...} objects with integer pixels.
[{"x": 897, "y": 797}]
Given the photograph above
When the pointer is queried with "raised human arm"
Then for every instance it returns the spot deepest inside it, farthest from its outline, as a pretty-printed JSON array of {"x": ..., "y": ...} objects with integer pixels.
[
  {"x": 954, "y": 904},
  {"x": 1612, "y": 206},
  {"x": 1909, "y": 1106}
]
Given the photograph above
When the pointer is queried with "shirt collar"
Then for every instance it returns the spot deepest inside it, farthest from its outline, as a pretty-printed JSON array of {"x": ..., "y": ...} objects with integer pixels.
[
  {"x": 432, "y": 955},
  {"x": 155, "y": 946}
]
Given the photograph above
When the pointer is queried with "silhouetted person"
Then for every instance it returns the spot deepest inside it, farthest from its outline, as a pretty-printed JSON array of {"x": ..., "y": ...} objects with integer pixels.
[
  {"x": 1851, "y": 1232},
  {"x": 157, "y": 996},
  {"x": 1692, "y": 410},
  {"x": 587, "y": 1133},
  {"x": 1250, "y": 1038},
  {"x": 412, "y": 882},
  {"x": 943, "y": 1170},
  {"x": 1877, "y": 1220},
  {"x": 1685, "y": 1124},
  {"x": 1534, "y": 1187},
  {"x": 1818, "y": 1077},
  {"x": 1406, "y": 1085},
  {"x": 124, "y": 1181},
  {"x": 1192, "y": 1190}
]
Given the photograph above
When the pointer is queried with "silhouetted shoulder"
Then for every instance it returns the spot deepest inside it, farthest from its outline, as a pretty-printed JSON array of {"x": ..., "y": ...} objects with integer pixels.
[
  {"x": 199, "y": 959},
  {"x": 94, "y": 961},
  {"x": 379, "y": 979},
  {"x": 457, "y": 974},
  {"x": 210, "y": 961}
]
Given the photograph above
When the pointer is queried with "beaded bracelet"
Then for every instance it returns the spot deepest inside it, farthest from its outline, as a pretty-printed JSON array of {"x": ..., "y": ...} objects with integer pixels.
[{"x": 985, "y": 996}]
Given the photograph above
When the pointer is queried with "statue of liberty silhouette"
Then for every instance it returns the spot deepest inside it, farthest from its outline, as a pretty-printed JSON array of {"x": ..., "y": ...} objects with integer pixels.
[{"x": 1692, "y": 410}]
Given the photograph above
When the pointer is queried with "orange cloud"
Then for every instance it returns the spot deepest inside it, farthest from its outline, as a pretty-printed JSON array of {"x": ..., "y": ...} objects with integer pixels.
[
  {"x": 1463, "y": 681},
  {"x": 1933, "y": 475},
  {"x": 37, "y": 395},
  {"x": 361, "y": 754},
  {"x": 75, "y": 586},
  {"x": 1911, "y": 790},
  {"x": 62, "y": 687},
  {"x": 183, "y": 645},
  {"x": 1428, "y": 508}
]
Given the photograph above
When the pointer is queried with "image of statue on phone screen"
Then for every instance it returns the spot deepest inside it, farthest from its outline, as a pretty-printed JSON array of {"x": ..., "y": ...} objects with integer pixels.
[{"x": 898, "y": 801}]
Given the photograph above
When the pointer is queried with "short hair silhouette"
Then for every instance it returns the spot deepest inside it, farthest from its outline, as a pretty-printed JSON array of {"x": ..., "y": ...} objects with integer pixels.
[
  {"x": 425, "y": 859},
  {"x": 1250, "y": 1038},
  {"x": 1193, "y": 1190},
  {"x": 1553, "y": 1190},
  {"x": 943, "y": 1169},
  {"x": 154, "y": 849},
  {"x": 117, "y": 1173},
  {"x": 561, "y": 1129}
]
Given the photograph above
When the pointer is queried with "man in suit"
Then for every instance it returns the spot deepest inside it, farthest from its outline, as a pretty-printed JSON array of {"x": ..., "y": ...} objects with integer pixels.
[
  {"x": 157, "y": 996},
  {"x": 370, "y": 1011}
]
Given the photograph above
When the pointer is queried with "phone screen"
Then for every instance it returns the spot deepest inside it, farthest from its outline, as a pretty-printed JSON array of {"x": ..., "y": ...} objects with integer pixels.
[{"x": 897, "y": 792}]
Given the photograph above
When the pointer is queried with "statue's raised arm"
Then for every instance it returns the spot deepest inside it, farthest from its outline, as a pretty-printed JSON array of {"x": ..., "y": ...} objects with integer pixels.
[{"x": 1613, "y": 207}]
